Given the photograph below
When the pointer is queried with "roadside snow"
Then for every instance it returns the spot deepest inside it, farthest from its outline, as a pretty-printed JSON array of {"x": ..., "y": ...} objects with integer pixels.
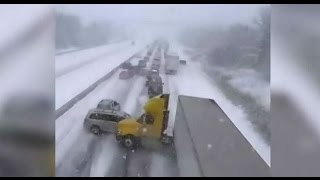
[
  {"x": 191, "y": 81},
  {"x": 102, "y": 161},
  {"x": 202, "y": 87},
  {"x": 254, "y": 87},
  {"x": 65, "y": 61},
  {"x": 158, "y": 166}
]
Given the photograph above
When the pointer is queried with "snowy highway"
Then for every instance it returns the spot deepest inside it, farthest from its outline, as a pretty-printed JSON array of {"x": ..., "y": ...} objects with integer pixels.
[{"x": 80, "y": 153}]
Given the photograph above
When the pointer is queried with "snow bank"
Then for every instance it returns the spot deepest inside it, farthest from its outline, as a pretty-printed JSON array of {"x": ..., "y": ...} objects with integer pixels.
[
  {"x": 191, "y": 81},
  {"x": 71, "y": 59},
  {"x": 254, "y": 87}
]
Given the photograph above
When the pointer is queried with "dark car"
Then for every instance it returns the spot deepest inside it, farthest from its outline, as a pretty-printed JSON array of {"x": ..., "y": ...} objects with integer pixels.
[
  {"x": 142, "y": 64},
  {"x": 154, "y": 84},
  {"x": 142, "y": 72},
  {"x": 126, "y": 74},
  {"x": 155, "y": 66},
  {"x": 126, "y": 65},
  {"x": 183, "y": 62}
]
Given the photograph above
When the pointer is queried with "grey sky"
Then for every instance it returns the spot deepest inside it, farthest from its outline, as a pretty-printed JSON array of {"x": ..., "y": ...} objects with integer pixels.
[{"x": 223, "y": 14}]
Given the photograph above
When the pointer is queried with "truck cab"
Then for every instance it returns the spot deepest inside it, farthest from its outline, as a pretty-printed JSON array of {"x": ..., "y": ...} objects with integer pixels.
[{"x": 151, "y": 124}]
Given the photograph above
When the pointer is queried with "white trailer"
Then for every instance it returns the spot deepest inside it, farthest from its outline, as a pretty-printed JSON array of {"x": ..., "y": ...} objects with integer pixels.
[
  {"x": 172, "y": 64},
  {"x": 208, "y": 144}
]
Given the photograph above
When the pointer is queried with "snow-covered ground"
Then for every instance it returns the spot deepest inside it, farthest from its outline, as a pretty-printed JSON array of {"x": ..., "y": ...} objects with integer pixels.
[
  {"x": 255, "y": 87},
  {"x": 193, "y": 82},
  {"x": 68, "y": 60},
  {"x": 248, "y": 82},
  {"x": 71, "y": 84}
]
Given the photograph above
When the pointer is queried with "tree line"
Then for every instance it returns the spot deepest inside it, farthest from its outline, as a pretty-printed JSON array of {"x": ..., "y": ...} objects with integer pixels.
[
  {"x": 71, "y": 32},
  {"x": 239, "y": 45}
]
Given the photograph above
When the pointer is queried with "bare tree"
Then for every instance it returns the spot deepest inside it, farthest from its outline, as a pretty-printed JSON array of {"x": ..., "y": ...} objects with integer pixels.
[{"x": 264, "y": 24}]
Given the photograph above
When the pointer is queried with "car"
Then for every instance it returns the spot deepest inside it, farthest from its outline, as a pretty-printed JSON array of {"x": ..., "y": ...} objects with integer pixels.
[
  {"x": 156, "y": 72},
  {"x": 183, "y": 62},
  {"x": 153, "y": 75},
  {"x": 146, "y": 58},
  {"x": 109, "y": 104},
  {"x": 157, "y": 59},
  {"x": 137, "y": 56},
  {"x": 126, "y": 65},
  {"x": 127, "y": 74},
  {"x": 155, "y": 67},
  {"x": 100, "y": 121},
  {"x": 155, "y": 85},
  {"x": 142, "y": 72}
]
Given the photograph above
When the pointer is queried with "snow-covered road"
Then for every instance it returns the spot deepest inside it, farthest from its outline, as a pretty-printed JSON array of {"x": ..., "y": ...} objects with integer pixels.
[
  {"x": 79, "y": 153},
  {"x": 84, "y": 72}
]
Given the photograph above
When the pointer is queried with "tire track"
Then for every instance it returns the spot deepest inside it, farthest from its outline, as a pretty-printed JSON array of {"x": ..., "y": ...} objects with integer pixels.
[
  {"x": 87, "y": 62},
  {"x": 84, "y": 93}
]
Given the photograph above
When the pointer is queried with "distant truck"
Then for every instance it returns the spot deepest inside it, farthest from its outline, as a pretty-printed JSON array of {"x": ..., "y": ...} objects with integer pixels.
[{"x": 172, "y": 64}]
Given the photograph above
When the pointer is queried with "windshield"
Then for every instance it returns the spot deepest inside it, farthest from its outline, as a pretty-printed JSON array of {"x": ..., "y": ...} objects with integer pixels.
[{"x": 141, "y": 119}]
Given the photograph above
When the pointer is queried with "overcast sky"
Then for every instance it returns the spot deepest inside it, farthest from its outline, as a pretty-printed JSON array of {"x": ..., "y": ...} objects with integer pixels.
[{"x": 165, "y": 13}]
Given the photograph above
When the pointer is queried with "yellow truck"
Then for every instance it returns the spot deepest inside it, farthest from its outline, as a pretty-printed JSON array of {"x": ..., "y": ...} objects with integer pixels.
[
  {"x": 206, "y": 142},
  {"x": 151, "y": 124}
]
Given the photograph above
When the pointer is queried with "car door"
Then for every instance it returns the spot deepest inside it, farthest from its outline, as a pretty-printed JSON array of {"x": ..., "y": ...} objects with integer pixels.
[
  {"x": 109, "y": 123},
  {"x": 95, "y": 119}
]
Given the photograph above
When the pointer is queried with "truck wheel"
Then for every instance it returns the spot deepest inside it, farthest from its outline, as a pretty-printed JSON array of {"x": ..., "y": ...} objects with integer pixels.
[
  {"x": 95, "y": 130},
  {"x": 129, "y": 142},
  {"x": 166, "y": 140}
]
